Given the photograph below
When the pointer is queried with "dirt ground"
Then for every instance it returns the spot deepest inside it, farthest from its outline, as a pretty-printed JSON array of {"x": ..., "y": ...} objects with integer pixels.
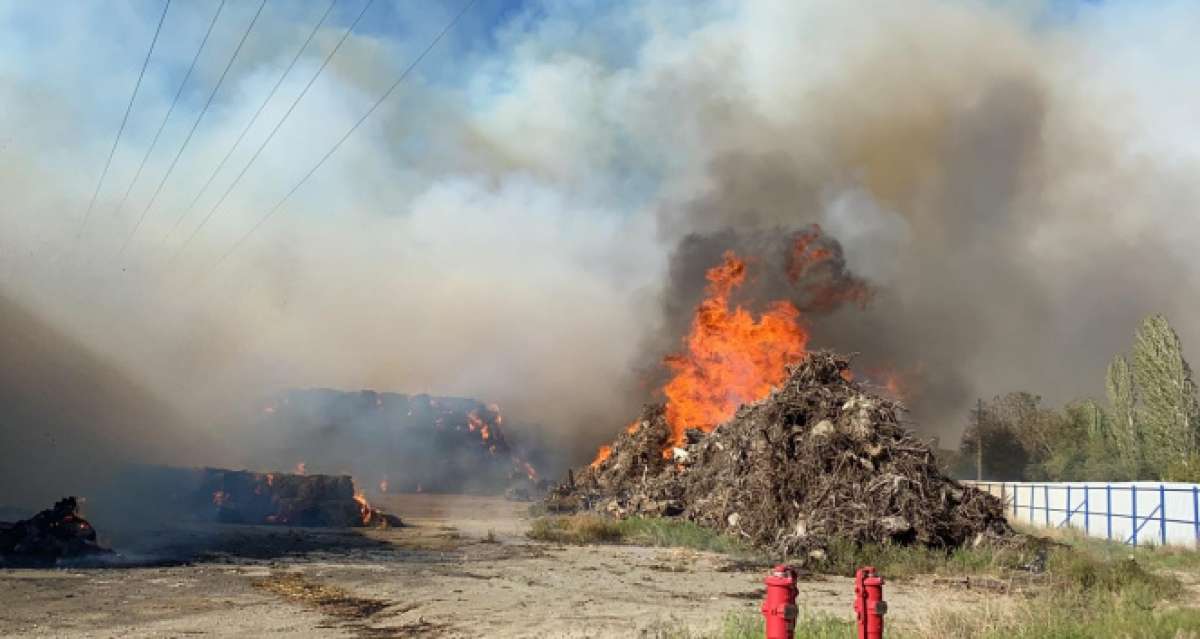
[{"x": 461, "y": 569}]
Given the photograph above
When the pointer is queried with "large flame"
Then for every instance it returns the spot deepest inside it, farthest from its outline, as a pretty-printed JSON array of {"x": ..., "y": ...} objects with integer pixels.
[{"x": 731, "y": 358}]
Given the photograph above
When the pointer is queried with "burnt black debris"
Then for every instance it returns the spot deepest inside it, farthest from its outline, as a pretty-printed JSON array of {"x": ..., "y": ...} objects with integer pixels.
[
  {"x": 53, "y": 534},
  {"x": 820, "y": 459}
]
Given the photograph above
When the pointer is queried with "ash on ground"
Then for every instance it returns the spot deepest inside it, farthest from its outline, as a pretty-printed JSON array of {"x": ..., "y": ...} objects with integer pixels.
[{"x": 820, "y": 459}]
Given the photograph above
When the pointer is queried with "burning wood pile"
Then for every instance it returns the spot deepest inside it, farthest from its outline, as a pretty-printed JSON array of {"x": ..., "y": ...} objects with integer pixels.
[
  {"x": 53, "y": 534},
  {"x": 816, "y": 460}
]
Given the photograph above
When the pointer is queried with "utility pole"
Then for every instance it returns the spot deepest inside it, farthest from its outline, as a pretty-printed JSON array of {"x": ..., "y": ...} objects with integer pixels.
[{"x": 979, "y": 441}]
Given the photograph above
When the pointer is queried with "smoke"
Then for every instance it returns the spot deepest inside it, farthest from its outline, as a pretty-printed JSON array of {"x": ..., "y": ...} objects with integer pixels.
[
  {"x": 527, "y": 219},
  {"x": 990, "y": 193}
]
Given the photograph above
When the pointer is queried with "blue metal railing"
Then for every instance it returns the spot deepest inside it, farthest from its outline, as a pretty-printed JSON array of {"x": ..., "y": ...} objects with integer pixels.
[{"x": 1075, "y": 505}]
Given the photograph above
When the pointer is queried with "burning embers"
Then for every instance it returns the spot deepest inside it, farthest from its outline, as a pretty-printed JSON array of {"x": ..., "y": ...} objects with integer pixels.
[{"x": 50, "y": 535}]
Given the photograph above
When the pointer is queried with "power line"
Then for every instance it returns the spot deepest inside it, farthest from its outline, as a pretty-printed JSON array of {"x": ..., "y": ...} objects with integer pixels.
[
  {"x": 253, "y": 119},
  {"x": 328, "y": 154},
  {"x": 195, "y": 124},
  {"x": 162, "y": 125},
  {"x": 125, "y": 118},
  {"x": 271, "y": 135}
]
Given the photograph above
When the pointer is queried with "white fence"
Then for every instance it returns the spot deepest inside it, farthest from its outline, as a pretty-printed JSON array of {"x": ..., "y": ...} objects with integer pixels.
[{"x": 1133, "y": 513}]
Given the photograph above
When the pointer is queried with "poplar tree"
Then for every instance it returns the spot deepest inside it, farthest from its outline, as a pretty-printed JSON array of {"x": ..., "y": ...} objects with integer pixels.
[
  {"x": 1122, "y": 399},
  {"x": 1166, "y": 396}
]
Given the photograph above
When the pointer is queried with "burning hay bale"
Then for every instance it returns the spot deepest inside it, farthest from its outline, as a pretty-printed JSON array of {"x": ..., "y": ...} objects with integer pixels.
[
  {"x": 244, "y": 497},
  {"x": 221, "y": 495},
  {"x": 819, "y": 459},
  {"x": 50, "y": 535}
]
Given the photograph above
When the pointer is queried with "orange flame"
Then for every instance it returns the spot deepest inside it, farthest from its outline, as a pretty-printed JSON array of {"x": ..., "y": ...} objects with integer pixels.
[
  {"x": 301, "y": 468},
  {"x": 363, "y": 506},
  {"x": 383, "y": 485},
  {"x": 604, "y": 453},
  {"x": 731, "y": 358}
]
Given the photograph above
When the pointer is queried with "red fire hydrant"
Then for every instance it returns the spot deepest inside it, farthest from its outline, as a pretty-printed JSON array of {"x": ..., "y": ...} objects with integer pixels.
[
  {"x": 779, "y": 608},
  {"x": 869, "y": 605}
]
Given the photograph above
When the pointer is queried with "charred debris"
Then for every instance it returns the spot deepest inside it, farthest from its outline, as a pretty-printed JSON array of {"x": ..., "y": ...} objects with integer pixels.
[
  {"x": 51, "y": 535},
  {"x": 820, "y": 459}
]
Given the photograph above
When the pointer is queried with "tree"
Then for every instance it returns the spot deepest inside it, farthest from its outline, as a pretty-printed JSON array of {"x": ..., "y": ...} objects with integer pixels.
[
  {"x": 991, "y": 425},
  {"x": 1167, "y": 406},
  {"x": 1122, "y": 399}
]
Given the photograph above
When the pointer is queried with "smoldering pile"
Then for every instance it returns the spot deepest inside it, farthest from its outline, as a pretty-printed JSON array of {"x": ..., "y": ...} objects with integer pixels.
[
  {"x": 818, "y": 460},
  {"x": 224, "y": 496},
  {"x": 244, "y": 497},
  {"x": 53, "y": 534}
]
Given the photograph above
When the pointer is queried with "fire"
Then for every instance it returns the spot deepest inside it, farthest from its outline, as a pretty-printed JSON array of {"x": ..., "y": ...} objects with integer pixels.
[
  {"x": 219, "y": 498},
  {"x": 363, "y": 506},
  {"x": 902, "y": 386},
  {"x": 383, "y": 485},
  {"x": 530, "y": 472},
  {"x": 731, "y": 358},
  {"x": 301, "y": 468},
  {"x": 604, "y": 453}
]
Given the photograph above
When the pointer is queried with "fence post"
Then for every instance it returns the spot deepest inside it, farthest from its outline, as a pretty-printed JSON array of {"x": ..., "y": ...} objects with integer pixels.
[
  {"x": 1108, "y": 508},
  {"x": 1087, "y": 524},
  {"x": 1032, "y": 498},
  {"x": 1046, "y": 498},
  {"x": 1196, "y": 513},
  {"x": 1134, "y": 511},
  {"x": 1017, "y": 491},
  {"x": 1067, "y": 521},
  {"x": 1162, "y": 515}
]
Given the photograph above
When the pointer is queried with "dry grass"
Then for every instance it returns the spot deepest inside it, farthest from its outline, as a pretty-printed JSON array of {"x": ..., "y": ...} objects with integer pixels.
[
  {"x": 579, "y": 529},
  {"x": 330, "y": 600}
]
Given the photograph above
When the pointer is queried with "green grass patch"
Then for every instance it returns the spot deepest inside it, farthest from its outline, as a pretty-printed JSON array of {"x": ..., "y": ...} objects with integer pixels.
[
  {"x": 584, "y": 528},
  {"x": 1151, "y": 556},
  {"x": 901, "y": 562},
  {"x": 587, "y": 528},
  {"x": 747, "y": 625}
]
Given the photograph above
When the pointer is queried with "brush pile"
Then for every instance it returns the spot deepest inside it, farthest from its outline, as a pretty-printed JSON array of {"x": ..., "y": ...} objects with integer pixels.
[
  {"x": 50, "y": 535},
  {"x": 818, "y": 460}
]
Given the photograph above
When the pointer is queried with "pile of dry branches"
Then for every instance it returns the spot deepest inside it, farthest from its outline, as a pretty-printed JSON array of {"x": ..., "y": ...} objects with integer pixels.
[{"x": 819, "y": 459}]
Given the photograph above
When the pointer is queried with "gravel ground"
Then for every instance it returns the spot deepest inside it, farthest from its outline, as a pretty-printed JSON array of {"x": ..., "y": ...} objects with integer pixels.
[{"x": 462, "y": 569}]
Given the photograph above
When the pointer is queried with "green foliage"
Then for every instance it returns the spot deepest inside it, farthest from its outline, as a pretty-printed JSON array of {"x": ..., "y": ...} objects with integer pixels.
[
  {"x": 1150, "y": 430},
  {"x": 1122, "y": 397},
  {"x": 1167, "y": 406},
  {"x": 992, "y": 427}
]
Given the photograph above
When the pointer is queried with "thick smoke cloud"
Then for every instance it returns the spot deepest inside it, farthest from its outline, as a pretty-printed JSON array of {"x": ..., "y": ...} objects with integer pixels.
[{"x": 526, "y": 220}]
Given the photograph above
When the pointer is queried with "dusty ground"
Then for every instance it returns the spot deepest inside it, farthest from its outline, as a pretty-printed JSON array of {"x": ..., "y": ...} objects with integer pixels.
[{"x": 463, "y": 569}]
